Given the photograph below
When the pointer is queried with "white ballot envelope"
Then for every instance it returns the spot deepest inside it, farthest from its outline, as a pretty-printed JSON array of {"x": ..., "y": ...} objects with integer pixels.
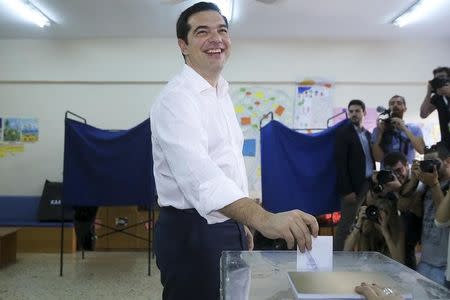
[{"x": 320, "y": 258}]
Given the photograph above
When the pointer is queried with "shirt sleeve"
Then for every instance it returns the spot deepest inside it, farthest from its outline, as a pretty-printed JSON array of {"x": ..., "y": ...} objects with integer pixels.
[
  {"x": 415, "y": 130},
  {"x": 177, "y": 127},
  {"x": 374, "y": 135}
]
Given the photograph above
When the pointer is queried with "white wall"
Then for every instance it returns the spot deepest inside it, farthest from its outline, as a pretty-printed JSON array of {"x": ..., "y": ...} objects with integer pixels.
[{"x": 112, "y": 83}]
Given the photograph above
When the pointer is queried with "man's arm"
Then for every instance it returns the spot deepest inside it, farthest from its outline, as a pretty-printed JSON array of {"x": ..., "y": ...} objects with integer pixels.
[
  {"x": 377, "y": 135},
  {"x": 432, "y": 181},
  {"x": 416, "y": 139},
  {"x": 443, "y": 210},
  {"x": 341, "y": 158},
  {"x": 427, "y": 107},
  {"x": 292, "y": 226}
]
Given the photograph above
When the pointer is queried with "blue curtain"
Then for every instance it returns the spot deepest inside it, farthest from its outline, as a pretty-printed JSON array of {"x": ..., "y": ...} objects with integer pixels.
[
  {"x": 298, "y": 170},
  {"x": 107, "y": 167}
]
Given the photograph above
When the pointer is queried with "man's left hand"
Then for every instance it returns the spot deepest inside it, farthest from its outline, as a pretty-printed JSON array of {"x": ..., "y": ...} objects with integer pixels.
[
  {"x": 399, "y": 123},
  {"x": 429, "y": 179}
]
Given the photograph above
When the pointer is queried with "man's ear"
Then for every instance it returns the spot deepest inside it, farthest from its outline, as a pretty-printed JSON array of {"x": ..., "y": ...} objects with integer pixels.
[{"x": 183, "y": 46}]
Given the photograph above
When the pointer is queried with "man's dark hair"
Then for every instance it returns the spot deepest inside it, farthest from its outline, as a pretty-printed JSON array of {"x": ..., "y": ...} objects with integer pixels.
[
  {"x": 182, "y": 24},
  {"x": 357, "y": 102},
  {"x": 443, "y": 151},
  {"x": 398, "y": 96},
  {"x": 392, "y": 158},
  {"x": 442, "y": 69}
]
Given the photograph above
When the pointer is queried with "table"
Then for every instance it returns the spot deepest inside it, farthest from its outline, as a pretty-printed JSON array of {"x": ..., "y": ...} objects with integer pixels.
[
  {"x": 8, "y": 245},
  {"x": 263, "y": 274}
]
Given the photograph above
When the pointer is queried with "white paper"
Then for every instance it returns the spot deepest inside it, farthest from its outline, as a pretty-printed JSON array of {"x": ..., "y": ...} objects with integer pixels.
[{"x": 320, "y": 258}]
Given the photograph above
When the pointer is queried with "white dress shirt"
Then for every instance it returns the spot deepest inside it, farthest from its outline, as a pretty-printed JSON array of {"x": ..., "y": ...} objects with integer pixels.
[{"x": 197, "y": 146}]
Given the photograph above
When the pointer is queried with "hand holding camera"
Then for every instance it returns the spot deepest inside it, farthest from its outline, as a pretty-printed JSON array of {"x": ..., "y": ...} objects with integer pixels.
[
  {"x": 427, "y": 177},
  {"x": 385, "y": 181},
  {"x": 398, "y": 123},
  {"x": 361, "y": 216},
  {"x": 437, "y": 83}
]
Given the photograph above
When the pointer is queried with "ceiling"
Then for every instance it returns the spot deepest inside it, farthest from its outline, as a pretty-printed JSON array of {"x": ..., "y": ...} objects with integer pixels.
[{"x": 285, "y": 19}]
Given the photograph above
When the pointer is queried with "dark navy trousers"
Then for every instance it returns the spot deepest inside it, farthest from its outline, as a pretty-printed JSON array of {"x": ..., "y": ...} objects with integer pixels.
[{"x": 188, "y": 253}]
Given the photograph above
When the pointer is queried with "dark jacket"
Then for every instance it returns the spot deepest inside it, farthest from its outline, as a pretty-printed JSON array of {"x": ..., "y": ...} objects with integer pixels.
[
  {"x": 350, "y": 160},
  {"x": 444, "y": 117}
]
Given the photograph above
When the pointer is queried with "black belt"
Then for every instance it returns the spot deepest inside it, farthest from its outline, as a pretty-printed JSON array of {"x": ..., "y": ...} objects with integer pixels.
[{"x": 174, "y": 209}]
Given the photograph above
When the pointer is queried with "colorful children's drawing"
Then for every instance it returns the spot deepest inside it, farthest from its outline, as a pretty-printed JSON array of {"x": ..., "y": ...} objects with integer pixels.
[
  {"x": 30, "y": 131},
  {"x": 251, "y": 104},
  {"x": 313, "y": 105},
  {"x": 12, "y": 130}
]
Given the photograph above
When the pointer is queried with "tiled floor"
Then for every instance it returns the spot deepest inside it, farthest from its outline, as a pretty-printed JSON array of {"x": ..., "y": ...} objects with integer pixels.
[{"x": 101, "y": 275}]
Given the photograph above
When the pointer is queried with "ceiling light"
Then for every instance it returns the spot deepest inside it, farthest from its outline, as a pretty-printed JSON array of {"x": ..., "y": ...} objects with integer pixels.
[
  {"x": 415, "y": 12},
  {"x": 226, "y": 8},
  {"x": 27, "y": 10}
]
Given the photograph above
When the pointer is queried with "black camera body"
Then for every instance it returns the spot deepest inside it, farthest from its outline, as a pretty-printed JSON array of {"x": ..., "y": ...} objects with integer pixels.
[
  {"x": 439, "y": 82},
  {"x": 428, "y": 165},
  {"x": 383, "y": 177}
]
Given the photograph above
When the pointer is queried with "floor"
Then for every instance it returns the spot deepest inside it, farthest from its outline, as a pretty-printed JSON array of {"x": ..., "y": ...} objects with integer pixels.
[{"x": 101, "y": 275}]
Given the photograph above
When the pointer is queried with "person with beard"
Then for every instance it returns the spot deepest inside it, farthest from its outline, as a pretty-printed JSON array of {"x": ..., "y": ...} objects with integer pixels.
[
  {"x": 395, "y": 135},
  {"x": 409, "y": 202},
  {"x": 354, "y": 165}
]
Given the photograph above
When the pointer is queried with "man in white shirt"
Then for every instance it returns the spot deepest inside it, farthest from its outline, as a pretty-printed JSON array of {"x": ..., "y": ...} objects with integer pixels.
[{"x": 199, "y": 168}]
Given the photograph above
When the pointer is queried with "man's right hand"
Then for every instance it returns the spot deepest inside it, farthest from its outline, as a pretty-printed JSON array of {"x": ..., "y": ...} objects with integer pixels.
[
  {"x": 292, "y": 226},
  {"x": 380, "y": 126},
  {"x": 350, "y": 198}
]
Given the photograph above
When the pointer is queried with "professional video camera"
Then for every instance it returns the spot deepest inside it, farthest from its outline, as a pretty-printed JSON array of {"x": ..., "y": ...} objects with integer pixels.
[
  {"x": 383, "y": 177},
  {"x": 385, "y": 115},
  {"x": 438, "y": 82}
]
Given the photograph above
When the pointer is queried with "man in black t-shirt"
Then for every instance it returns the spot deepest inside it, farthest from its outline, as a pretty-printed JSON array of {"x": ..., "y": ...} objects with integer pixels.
[{"x": 438, "y": 99}]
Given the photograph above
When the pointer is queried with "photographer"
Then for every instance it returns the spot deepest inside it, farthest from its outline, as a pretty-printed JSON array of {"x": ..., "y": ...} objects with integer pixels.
[
  {"x": 378, "y": 226},
  {"x": 409, "y": 202},
  {"x": 434, "y": 241},
  {"x": 392, "y": 134},
  {"x": 436, "y": 98}
]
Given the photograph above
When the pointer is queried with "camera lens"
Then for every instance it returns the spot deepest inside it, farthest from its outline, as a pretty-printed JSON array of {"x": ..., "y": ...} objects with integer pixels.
[{"x": 372, "y": 213}]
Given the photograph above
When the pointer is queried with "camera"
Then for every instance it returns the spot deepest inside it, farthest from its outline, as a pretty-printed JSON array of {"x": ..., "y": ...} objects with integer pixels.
[
  {"x": 383, "y": 177},
  {"x": 372, "y": 213},
  {"x": 439, "y": 82},
  {"x": 385, "y": 115},
  {"x": 428, "y": 165}
]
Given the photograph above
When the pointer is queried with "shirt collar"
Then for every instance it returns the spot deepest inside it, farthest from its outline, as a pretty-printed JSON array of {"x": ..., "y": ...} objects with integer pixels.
[
  {"x": 358, "y": 129},
  {"x": 200, "y": 84}
]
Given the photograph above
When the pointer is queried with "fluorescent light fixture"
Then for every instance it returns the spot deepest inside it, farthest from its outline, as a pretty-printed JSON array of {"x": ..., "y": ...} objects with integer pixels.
[
  {"x": 28, "y": 11},
  {"x": 226, "y": 8},
  {"x": 416, "y": 11}
]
